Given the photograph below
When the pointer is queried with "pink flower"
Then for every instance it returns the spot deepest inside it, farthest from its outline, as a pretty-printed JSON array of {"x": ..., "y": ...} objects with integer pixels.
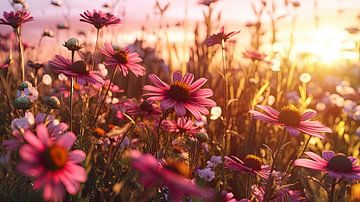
[
  {"x": 124, "y": 59},
  {"x": 252, "y": 164},
  {"x": 154, "y": 173},
  {"x": 217, "y": 38},
  {"x": 336, "y": 165},
  {"x": 99, "y": 19},
  {"x": 280, "y": 195},
  {"x": 292, "y": 119},
  {"x": 16, "y": 19},
  {"x": 207, "y": 2},
  {"x": 254, "y": 55},
  {"x": 183, "y": 125},
  {"x": 51, "y": 163},
  {"x": 77, "y": 69},
  {"x": 181, "y": 95},
  {"x": 146, "y": 109}
]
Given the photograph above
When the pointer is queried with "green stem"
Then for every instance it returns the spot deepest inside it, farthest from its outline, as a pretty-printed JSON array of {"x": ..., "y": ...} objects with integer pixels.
[
  {"x": 270, "y": 181},
  {"x": 106, "y": 93},
  {"x": 223, "y": 149},
  {"x": 71, "y": 93},
  {"x": 95, "y": 48},
  {"x": 21, "y": 54}
]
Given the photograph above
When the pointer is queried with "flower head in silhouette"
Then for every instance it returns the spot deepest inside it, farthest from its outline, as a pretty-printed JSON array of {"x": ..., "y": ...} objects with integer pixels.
[
  {"x": 219, "y": 37},
  {"x": 99, "y": 19},
  {"x": 16, "y": 18}
]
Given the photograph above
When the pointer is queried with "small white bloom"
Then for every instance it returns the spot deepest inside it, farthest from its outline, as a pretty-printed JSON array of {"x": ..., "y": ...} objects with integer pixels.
[
  {"x": 62, "y": 77},
  {"x": 46, "y": 79}
]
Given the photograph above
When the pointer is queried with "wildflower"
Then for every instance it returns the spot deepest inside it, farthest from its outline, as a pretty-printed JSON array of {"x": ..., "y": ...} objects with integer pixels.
[
  {"x": 229, "y": 197},
  {"x": 73, "y": 44},
  {"x": 15, "y": 19},
  {"x": 206, "y": 174},
  {"x": 46, "y": 79},
  {"x": 280, "y": 195},
  {"x": 154, "y": 173},
  {"x": 305, "y": 77},
  {"x": 219, "y": 37},
  {"x": 292, "y": 119},
  {"x": 202, "y": 137},
  {"x": 124, "y": 59},
  {"x": 146, "y": 109},
  {"x": 254, "y": 55},
  {"x": 252, "y": 164},
  {"x": 35, "y": 65},
  {"x": 77, "y": 69},
  {"x": 214, "y": 161},
  {"x": 51, "y": 163},
  {"x": 26, "y": 89},
  {"x": 215, "y": 113},
  {"x": 52, "y": 102},
  {"x": 336, "y": 165},
  {"x": 182, "y": 125},
  {"x": 207, "y": 2},
  {"x": 48, "y": 33},
  {"x": 99, "y": 19},
  {"x": 57, "y": 3},
  {"x": 181, "y": 95},
  {"x": 22, "y": 102}
]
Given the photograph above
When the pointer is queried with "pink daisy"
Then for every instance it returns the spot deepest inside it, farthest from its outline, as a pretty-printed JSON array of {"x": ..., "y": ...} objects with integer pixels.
[
  {"x": 219, "y": 37},
  {"x": 146, "y": 109},
  {"x": 51, "y": 163},
  {"x": 182, "y": 125},
  {"x": 154, "y": 173},
  {"x": 292, "y": 119},
  {"x": 252, "y": 164},
  {"x": 280, "y": 195},
  {"x": 182, "y": 94},
  {"x": 124, "y": 59},
  {"x": 336, "y": 165},
  {"x": 77, "y": 69},
  {"x": 254, "y": 55},
  {"x": 99, "y": 19},
  {"x": 16, "y": 19}
]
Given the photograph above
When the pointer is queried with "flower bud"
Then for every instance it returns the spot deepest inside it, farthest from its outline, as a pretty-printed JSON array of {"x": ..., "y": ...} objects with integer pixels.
[
  {"x": 52, "y": 102},
  {"x": 73, "y": 44},
  {"x": 24, "y": 84},
  {"x": 202, "y": 137},
  {"x": 22, "y": 102}
]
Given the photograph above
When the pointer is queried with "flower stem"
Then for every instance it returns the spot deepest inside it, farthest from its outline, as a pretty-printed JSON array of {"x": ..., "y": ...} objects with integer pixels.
[
  {"x": 270, "y": 181},
  {"x": 96, "y": 47},
  {"x": 21, "y": 54},
  {"x": 223, "y": 149},
  {"x": 248, "y": 186},
  {"x": 332, "y": 190},
  {"x": 71, "y": 93},
  {"x": 106, "y": 93}
]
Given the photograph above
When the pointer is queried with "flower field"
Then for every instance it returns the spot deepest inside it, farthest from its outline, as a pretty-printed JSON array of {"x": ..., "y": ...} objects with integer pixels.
[{"x": 186, "y": 110}]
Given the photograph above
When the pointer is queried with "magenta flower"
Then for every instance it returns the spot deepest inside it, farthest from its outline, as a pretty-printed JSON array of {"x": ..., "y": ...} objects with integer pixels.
[
  {"x": 182, "y": 125},
  {"x": 16, "y": 19},
  {"x": 181, "y": 95},
  {"x": 99, "y": 19},
  {"x": 254, "y": 55},
  {"x": 292, "y": 119},
  {"x": 51, "y": 164},
  {"x": 336, "y": 165},
  {"x": 124, "y": 59},
  {"x": 219, "y": 37},
  {"x": 146, "y": 109},
  {"x": 154, "y": 173},
  {"x": 77, "y": 70},
  {"x": 280, "y": 195},
  {"x": 252, "y": 164}
]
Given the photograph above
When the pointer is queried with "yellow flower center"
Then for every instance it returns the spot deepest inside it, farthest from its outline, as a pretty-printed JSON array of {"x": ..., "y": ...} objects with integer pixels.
[
  {"x": 55, "y": 157},
  {"x": 79, "y": 67},
  {"x": 121, "y": 56},
  {"x": 180, "y": 91},
  {"x": 340, "y": 163},
  {"x": 290, "y": 115},
  {"x": 253, "y": 162}
]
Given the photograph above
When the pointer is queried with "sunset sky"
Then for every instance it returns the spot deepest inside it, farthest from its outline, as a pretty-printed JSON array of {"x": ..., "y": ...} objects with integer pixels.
[{"x": 235, "y": 13}]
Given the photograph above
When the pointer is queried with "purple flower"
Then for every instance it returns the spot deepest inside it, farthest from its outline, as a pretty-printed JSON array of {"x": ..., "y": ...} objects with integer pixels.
[{"x": 252, "y": 164}]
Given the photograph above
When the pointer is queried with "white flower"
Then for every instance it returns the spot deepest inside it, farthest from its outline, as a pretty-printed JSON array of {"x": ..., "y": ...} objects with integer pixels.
[
  {"x": 62, "y": 77},
  {"x": 46, "y": 79}
]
